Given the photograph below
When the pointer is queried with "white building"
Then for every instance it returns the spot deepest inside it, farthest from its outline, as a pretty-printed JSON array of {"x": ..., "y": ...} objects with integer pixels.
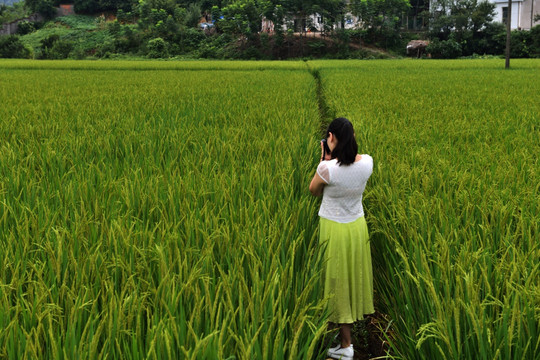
[
  {"x": 311, "y": 22},
  {"x": 523, "y": 12}
]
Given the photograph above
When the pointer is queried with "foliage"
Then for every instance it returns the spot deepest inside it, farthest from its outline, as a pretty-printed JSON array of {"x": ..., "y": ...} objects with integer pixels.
[
  {"x": 11, "y": 2},
  {"x": 525, "y": 44},
  {"x": 53, "y": 48},
  {"x": 12, "y": 47},
  {"x": 61, "y": 49},
  {"x": 44, "y": 7},
  {"x": 80, "y": 32},
  {"x": 492, "y": 39},
  {"x": 381, "y": 19},
  {"x": 233, "y": 36},
  {"x": 25, "y": 27},
  {"x": 79, "y": 22},
  {"x": 157, "y": 48},
  {"x": 444, "y": 49},
  {"x": 96, "y": 6},
  {"x": 14, "y": 12},
  {"x": 461, "y": 21},
  {"x": 192, "y": 15},
  {"x": 241, "y": 17},
  {"x": 535, "y": 41}
]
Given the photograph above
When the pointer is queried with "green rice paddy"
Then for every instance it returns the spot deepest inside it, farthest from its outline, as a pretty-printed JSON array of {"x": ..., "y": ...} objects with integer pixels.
[{"x": 160, "y": 210}]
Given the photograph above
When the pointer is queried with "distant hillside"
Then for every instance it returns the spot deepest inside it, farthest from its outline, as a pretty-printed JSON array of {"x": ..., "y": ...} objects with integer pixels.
[{"x": 9, "y": 2}]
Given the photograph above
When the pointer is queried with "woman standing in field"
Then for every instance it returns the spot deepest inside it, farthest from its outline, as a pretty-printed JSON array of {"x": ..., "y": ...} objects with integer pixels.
[{"x": 341, "y": 178}]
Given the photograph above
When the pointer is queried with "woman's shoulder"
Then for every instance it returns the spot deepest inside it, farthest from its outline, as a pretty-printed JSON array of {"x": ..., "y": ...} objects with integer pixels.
[
  {"x": 363, "y": 157},
  {"x": 331, "y": 162}
]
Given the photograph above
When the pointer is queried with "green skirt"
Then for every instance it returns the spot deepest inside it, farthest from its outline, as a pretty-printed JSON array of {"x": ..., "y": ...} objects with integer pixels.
[{"x": 348, "y": 277}]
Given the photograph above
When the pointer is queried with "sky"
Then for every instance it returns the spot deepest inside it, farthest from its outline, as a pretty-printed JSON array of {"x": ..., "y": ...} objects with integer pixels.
[{"x": 8, "y": 2}]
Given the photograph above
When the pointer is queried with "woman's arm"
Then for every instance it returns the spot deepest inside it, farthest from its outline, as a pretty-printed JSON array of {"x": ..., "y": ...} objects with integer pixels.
[{"x": 317, "y": 185}]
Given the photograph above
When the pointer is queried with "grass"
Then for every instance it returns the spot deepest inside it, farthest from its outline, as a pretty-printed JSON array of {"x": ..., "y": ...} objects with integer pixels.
[
  {"x": 160, "y": 209},
  {"x": 146, "y": 215},
  {"x": 454, "y": 200}
]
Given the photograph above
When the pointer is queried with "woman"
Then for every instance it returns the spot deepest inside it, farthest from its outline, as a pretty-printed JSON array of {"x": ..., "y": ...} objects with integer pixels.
[{"x": 341, "y": 178}]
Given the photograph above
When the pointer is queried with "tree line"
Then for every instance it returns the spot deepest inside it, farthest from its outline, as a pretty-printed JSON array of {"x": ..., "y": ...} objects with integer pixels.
[{"x": 162, "y": 28}]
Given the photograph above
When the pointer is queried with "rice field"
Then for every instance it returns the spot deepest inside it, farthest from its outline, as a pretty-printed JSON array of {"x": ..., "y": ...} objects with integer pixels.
[
  {"x": 454, "y": 206},
  {"x": 160, "y": 210}
]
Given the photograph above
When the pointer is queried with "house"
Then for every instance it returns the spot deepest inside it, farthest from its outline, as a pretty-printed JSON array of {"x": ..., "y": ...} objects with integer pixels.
[
  {"x": 523, "y": 12},
  {"x": 312, "y": 22}
]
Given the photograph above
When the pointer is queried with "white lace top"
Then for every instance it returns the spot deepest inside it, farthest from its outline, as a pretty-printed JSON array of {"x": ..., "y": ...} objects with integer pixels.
[{"x": 342, "y": 197}]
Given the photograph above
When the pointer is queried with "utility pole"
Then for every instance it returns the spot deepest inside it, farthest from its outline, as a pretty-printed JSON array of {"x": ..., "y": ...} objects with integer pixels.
[{"x": 508, "y": 34}]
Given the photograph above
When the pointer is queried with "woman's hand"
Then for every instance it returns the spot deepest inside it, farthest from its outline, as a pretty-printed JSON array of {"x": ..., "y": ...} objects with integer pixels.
[{"x": 325, "y": 156}]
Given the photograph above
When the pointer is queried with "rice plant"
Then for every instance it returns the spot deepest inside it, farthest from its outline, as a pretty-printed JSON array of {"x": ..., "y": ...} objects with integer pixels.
[
  {"x": 160, "y": 209},
  {"x": 157, "y": 214},
  {"x": 454, "y": 201}
]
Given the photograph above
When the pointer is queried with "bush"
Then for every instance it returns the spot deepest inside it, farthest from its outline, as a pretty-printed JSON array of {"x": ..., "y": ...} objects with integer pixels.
[
  {"x": 446, "y": 49},
  {"x": 25, "y": 27},
  {"x": 128, "y": 40},
  {"x": 105, "y": 49},
  {"x": 61, "y": 49},
  {"x": 535, "y": 42},
  {"x": 54, "y": 48},
  {"x": 342, "y": 39},
  {"x": 188, "y": 40},
  {"x": 209, "y": 51},
  {"x": 12, "y": 47},
  {"x": 492, "y": 39},
  {"x": 520, "y": 40},
  {"x": 317, "y": 47},
  {"x": 114, "y": 28},
  {"x": 157, "y": 48},
  {"x": 47, "y": 9}
]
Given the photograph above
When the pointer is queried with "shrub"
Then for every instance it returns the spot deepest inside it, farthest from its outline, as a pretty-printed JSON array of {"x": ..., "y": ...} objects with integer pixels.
[
  {"x": 157, "y": 48},
  {"x": 105, "y": 49},
  {"x": 520, "y": 41},
  {"x": 54, "y": 48},
  {"x": 61, "y": 49},
  {"x": 189, "y": 40},
  {"x": 48, "y": 42},
  {"x": 25, "y": 27},
  {"x": 446, "y": 49},
  {"x": 12, "y": 47},
  {"x": 535, "y": 41},
  {"x": 47, "y": 9},
  {"x": 114, "y": 28},
  {"x": 493, "y": 39},
  {"x": 317, "y": 47},
  {"x": 209, "y": 51}
]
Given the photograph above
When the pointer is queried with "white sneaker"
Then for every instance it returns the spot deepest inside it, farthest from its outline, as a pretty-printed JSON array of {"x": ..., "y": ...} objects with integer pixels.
[{"x": 341, "y": 353}]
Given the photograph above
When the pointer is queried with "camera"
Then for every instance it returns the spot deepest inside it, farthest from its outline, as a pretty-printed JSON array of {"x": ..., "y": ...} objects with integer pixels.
[{"x": 326, "y": 148}]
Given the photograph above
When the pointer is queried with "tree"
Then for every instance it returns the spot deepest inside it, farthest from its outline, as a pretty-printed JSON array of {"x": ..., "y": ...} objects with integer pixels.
[
  {"x": 16, "y": 11},
  {"x": 241, "y": 18},
  {"x": 95, "y": 6},
  {"x": 380, "y": 18},
  {"x": 462, "y": 21},
  {"x": 12, "y": 47},
  {"x": 331, "y": 11},
  {"x": 379, "y": 13},
  {"x": 43, "y": 7}
]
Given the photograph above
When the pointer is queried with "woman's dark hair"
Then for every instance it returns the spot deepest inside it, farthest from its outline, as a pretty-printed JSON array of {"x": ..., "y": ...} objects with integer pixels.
[{"x": 346, "y": 148}]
